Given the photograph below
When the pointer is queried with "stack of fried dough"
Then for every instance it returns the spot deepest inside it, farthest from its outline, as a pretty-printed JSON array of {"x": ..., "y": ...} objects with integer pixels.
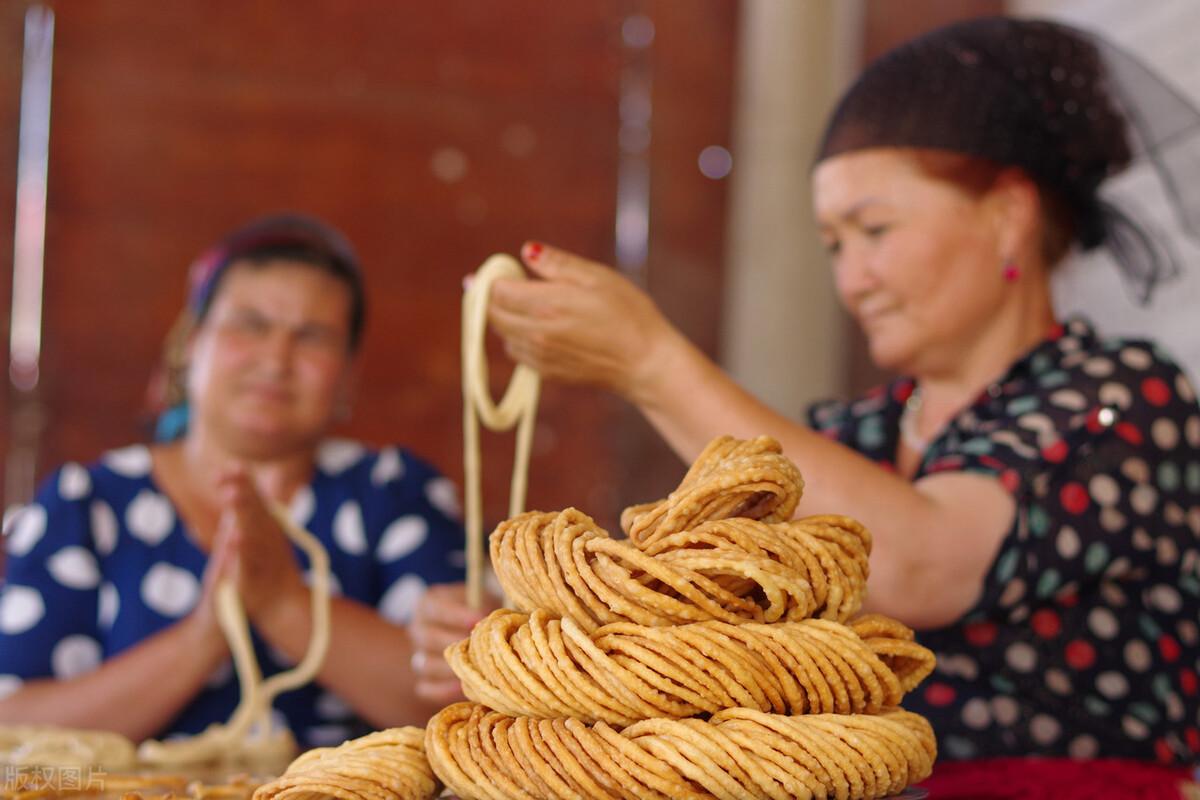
[
  {"x": 388, "y": 765},
  {"x": 717, "y": 652}
]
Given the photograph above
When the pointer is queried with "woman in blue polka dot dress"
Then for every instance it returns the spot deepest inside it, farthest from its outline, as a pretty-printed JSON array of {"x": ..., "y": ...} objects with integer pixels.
[
  {"x": 106, "y": 612},
  {"x": 1033, "y": 488}
]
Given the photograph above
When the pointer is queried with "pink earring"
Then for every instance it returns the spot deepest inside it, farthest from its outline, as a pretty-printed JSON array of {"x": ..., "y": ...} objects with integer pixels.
[{"x": 1011, "y": 271}]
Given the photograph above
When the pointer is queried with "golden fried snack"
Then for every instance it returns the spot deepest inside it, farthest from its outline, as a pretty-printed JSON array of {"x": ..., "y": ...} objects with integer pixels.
[
  {"x": 737, "y": 754},
  {"x": 718, "y": 604},
  {"x": 733, "y": 570},
  {"x": 51, "y": 746},
  {"x": 388, "y": 765},
  {"x": 43, "y": 783},
  {"x": 731, "y": 478},
  {"x": 240, "y": 787},
  {"x": 541, "y": 666}
]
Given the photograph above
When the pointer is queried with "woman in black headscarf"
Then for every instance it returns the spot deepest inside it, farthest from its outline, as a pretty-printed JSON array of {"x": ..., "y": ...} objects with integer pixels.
[{"x": 1033, "y": 489}]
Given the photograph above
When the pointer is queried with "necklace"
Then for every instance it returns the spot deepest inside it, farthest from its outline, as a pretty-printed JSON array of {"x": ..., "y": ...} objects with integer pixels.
[{"x": 908, "y": 423}]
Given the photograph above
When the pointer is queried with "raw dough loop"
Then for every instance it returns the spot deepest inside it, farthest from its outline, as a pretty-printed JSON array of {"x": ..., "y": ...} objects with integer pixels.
[{"x": 518, "y": 408}]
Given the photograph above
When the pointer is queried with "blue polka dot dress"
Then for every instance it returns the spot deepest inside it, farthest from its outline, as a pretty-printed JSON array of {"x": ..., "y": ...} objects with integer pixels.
[
  {"x": 1085, "y": 642},
  {"x": 100, "y": 561}
]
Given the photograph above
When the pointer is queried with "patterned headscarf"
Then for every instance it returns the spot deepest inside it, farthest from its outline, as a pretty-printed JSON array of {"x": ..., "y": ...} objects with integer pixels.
[
  {"x": 285, "y": 235},
  {"x": 306, "y": 238}
]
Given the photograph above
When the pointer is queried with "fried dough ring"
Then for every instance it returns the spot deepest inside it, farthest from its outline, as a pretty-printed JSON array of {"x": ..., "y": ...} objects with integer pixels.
[
  {"x": 737, "y": 754},
  {"x": 540, "y": 666}
]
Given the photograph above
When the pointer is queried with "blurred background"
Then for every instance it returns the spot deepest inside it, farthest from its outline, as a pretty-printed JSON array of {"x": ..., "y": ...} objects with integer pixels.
[{"x": 669, "y": 138}]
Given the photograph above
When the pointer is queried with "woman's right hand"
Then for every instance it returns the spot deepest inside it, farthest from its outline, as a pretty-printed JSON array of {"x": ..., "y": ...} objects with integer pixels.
[{"x": 582, "y": 322}]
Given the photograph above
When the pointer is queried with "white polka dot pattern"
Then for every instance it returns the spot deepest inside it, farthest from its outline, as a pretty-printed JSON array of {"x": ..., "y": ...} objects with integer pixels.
[
  {"x": 1005, "y": 710},
  {"x": 1117, "y": 395},
  {"x": 1137, "y": 655},
  {"x": 348, "y": 529},
  {"x": 1068, "y": 542},
  {"x": 443, "y": 495},
  {"x": 1103, "y": 623},
  {"x": 302, "y": 506},
  {"x": 21, "y": 607},
  {"x": 1083, "y": 747},
  {"x": 169, "y": 590},
  {"x": 976, "y": 714},
  {"x": 1059, "y": 682},
  {"x": 1112, "y": 685},
  {"x": 1134, "y": 728},
  {"x": 1165, "y": 433},
  {"x": 74, "y": 483},
  {"x": 1166, "y": 599},
  {"x": 388, "y": 467},
  {"x": 104, "y": 527},
  {"x": 74, "y": 568},
  {"x": 75, "y": 656},
  {"x": 1044, "y": 729},
  {"x": 1021, "y": 657},
  {"x": 150, "y": 517},
  {"x": 108, "y": 606},
  {"x": 402, "y": 537},
  {"x": 400, "y": 600},
  {"x": 132, "y": 462},
  {"x": 1104, "y": 489},
  {"x": 26, "y": 530},
  {"x": 335, "y": 456}
]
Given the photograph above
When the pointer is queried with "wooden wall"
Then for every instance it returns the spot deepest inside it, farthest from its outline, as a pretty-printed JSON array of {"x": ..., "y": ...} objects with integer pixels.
[{"x": 433, "y": 133}]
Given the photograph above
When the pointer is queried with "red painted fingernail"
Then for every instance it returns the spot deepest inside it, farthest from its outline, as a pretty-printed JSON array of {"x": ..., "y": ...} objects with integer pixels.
[{"x": 533, "y": 251}]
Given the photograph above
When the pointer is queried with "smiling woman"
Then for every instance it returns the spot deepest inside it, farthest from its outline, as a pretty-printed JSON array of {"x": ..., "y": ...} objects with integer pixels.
[
  {"x": 272, "y": 363},
  {"x": 107, "y": 616},
  {"x": 1022, "y": 477}
]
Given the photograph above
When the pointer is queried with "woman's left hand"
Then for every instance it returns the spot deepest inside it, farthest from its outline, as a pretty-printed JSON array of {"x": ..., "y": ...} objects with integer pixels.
[
  {"x": 264, "y": 563},
  {"x": 442, "y": 618}
]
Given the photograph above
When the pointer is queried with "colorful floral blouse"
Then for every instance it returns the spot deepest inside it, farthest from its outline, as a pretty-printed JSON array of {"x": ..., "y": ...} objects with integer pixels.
[
  {"x": 101, "y": 561},
  {"x": 1086, "y": 639}
]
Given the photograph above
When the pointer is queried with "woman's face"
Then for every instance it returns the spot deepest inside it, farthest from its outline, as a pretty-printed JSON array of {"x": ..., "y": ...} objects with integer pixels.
[
  {"x": 270, "y": 362},
  {"x": 917, "y": 261}
]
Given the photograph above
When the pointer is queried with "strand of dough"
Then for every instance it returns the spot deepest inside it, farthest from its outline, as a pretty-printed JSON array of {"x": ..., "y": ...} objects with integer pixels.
[
  {"x": 517, "y": 408},
  {"x": 388, "y": 765},
  {"x": 247, "y": 736},
  {"x": 540, "y": 666},
  {"x": 738, "y": 754}
]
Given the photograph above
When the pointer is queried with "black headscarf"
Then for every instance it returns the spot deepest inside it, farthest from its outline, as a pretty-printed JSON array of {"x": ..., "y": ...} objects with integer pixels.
[{"x": 1064, "y": 105}]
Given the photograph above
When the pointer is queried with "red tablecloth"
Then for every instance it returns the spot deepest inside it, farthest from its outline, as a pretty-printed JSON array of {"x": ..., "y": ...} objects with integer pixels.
[{"x": 1059, "y": 779}]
